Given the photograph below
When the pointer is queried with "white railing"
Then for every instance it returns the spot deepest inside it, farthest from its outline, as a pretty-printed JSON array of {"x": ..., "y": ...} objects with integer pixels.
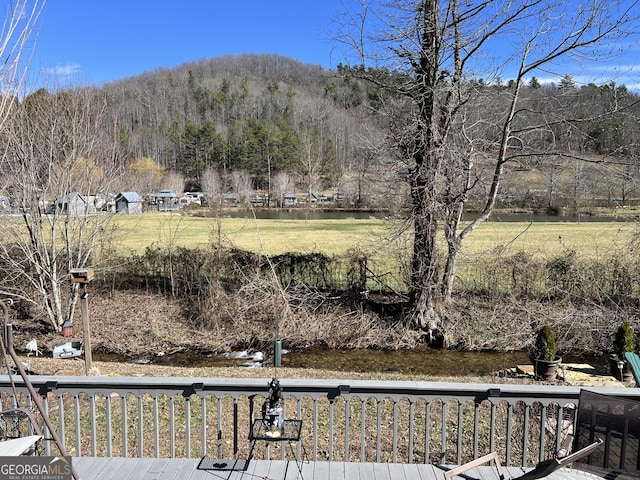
[{"x": 350, "y": 420}]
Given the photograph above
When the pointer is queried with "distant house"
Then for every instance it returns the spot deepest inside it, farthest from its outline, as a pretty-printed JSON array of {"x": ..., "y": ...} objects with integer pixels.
[
  {"x": 190, "y": 198},
  {"x": 165, "y": 201},
  {"x": 76, "y": 204},
  {"x": 128, "y": 202},
  {"x": 258, "y": 199},
  {"x": 105, "y": 202},
  {"x": 230, "y": 199},
  {"x": 289, "y": 199}
]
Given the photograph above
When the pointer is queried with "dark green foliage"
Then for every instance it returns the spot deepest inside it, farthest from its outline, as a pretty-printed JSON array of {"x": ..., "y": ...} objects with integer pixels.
[
  {"x": 201, "y": 146},
  {"x": 268, "y": 146},
  {"x": 623, "y": 340},
  {"x": 545, "y": 347}
]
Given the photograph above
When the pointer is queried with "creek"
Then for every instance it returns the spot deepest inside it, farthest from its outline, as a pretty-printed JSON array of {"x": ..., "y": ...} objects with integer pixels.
[{"x": 422, "y": 361}]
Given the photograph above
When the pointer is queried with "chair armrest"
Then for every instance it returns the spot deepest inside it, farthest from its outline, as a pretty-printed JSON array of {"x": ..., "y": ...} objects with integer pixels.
[
  {"x": 18, "y": 446},
  {"x": 474, "y": 463}
]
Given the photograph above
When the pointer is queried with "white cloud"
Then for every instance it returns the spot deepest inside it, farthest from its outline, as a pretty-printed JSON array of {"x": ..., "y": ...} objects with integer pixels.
[{"x": 63, "y": 70}]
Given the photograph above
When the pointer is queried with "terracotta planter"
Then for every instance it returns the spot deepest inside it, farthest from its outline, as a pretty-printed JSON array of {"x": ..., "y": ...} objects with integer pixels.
[
  {"x": 627, "y": 374},
  {"x": 546, "y": 369}
]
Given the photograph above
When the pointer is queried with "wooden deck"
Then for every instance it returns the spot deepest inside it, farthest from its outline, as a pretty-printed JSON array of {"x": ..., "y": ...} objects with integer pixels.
[{"x": 92, "y": 468}]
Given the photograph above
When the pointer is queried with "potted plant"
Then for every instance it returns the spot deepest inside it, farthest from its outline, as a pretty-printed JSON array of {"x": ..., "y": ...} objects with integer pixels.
[
  {"x": 544, "y": 358},
  {"x": 622, "y": 342}
]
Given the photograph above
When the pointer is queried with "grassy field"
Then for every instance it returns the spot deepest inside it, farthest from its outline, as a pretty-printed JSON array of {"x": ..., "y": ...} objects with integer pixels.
[
  {"x": 273, "y": 237},
  {"x": 551, "y": 238}
]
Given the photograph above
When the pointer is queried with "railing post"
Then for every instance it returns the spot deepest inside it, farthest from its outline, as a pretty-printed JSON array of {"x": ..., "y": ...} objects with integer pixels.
[
  {"x": 427, "y": 430},
  {"x": 156, "y": 427},
  {"x": 525, "y": 436},
  {"x": 125, "y": 440},
  {"x": 443, "y": 446},
  {"x": 203, "y": 437},
  {"x": 108, "y": 422},
  {"x": 411, "y": 431},
  {"x": 140, "y": 427}
]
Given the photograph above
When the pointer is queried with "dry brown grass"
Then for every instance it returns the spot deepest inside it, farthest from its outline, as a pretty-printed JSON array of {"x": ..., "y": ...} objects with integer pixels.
[{"x": 49, "y": 366}]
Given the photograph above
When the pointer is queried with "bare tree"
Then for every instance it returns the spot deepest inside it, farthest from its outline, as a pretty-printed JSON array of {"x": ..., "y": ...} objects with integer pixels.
[
  {"x": 55, "y": 156},
  {"x": 281, "y": 183},
  {"x": 212, "y": 186},
  {"x": 17, "y": 30},
  {"x": 241, "y": 185},
  {"x": 174, "y": 181},
  {"x": 432, "y": 58},
  {"x": 144, "y": 176}
]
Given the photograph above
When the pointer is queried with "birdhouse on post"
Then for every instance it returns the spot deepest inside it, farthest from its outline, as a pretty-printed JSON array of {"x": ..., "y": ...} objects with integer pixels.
[
  {"x": 68, "y": 329},
  {"x": 81, "y": 275}
]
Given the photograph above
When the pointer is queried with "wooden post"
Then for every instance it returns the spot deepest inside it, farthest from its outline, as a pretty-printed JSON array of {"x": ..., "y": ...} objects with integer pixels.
[
  {"x": 86, "y": 330},
  {"x": 84, "y": 276}
]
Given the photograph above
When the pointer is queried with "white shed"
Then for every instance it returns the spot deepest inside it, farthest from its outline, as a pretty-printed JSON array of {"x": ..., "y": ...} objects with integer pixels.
[{"x": 128, "y": 202}]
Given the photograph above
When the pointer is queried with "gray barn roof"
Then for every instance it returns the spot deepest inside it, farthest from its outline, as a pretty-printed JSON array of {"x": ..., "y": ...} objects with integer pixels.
[{"x": 130, "y": 197}]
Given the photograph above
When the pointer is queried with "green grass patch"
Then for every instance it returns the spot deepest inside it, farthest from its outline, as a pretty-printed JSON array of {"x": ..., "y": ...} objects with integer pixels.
[
  {"x": 334, "y": 237},
  {"x": 551, "y": 238},
  {"x": 498, "y": 256},
  {"x": 272, "y": 237}
]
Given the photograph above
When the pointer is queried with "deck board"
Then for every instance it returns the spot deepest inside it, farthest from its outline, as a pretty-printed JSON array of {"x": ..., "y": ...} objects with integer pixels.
[
  {"x": 171, "y": 470},
  {"x": 417, "y": 471},
  {"x": 381, "y": 471},
  {"x": 97, "y": 468},
  {"x": 396, "y": 470},
  {"x": 336, "y": 470},
  {"x": 320, "y": 471},
  {"x": 366, "y": 471},
  {"x": 137, "y": 468},
  {"x": 92, "y": 468},
  {"x": 276, "y": 470},
  {"x": 352, "y": 470},
  {"x": 292, "y": 472}
]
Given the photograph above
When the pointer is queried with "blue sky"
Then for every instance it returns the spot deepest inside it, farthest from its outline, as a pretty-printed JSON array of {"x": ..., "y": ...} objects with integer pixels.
[{"x": 97, "y": 41}]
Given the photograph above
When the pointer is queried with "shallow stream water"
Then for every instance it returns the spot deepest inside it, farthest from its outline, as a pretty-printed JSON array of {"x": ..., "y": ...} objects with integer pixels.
[{"x": 410, "y": 362}]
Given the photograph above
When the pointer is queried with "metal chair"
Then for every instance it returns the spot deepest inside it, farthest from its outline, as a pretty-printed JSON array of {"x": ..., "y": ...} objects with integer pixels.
[
  {"x": 19, "y": 423},
  {"x": 616, "y": 420},
  {"x": 584, "y": 446},
  {"x": 543, "y": 469}
]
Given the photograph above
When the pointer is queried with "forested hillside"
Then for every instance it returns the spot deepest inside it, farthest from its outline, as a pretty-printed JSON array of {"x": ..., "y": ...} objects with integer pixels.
[
  {"x": 264, "y": 115},
  {"x": 282, "y": 121}
]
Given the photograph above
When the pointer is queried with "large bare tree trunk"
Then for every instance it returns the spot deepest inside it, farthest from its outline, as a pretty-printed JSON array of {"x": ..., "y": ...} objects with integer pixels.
[
  {"x": 424, "y": 264},
  {"x": 426, "y": 157}
]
